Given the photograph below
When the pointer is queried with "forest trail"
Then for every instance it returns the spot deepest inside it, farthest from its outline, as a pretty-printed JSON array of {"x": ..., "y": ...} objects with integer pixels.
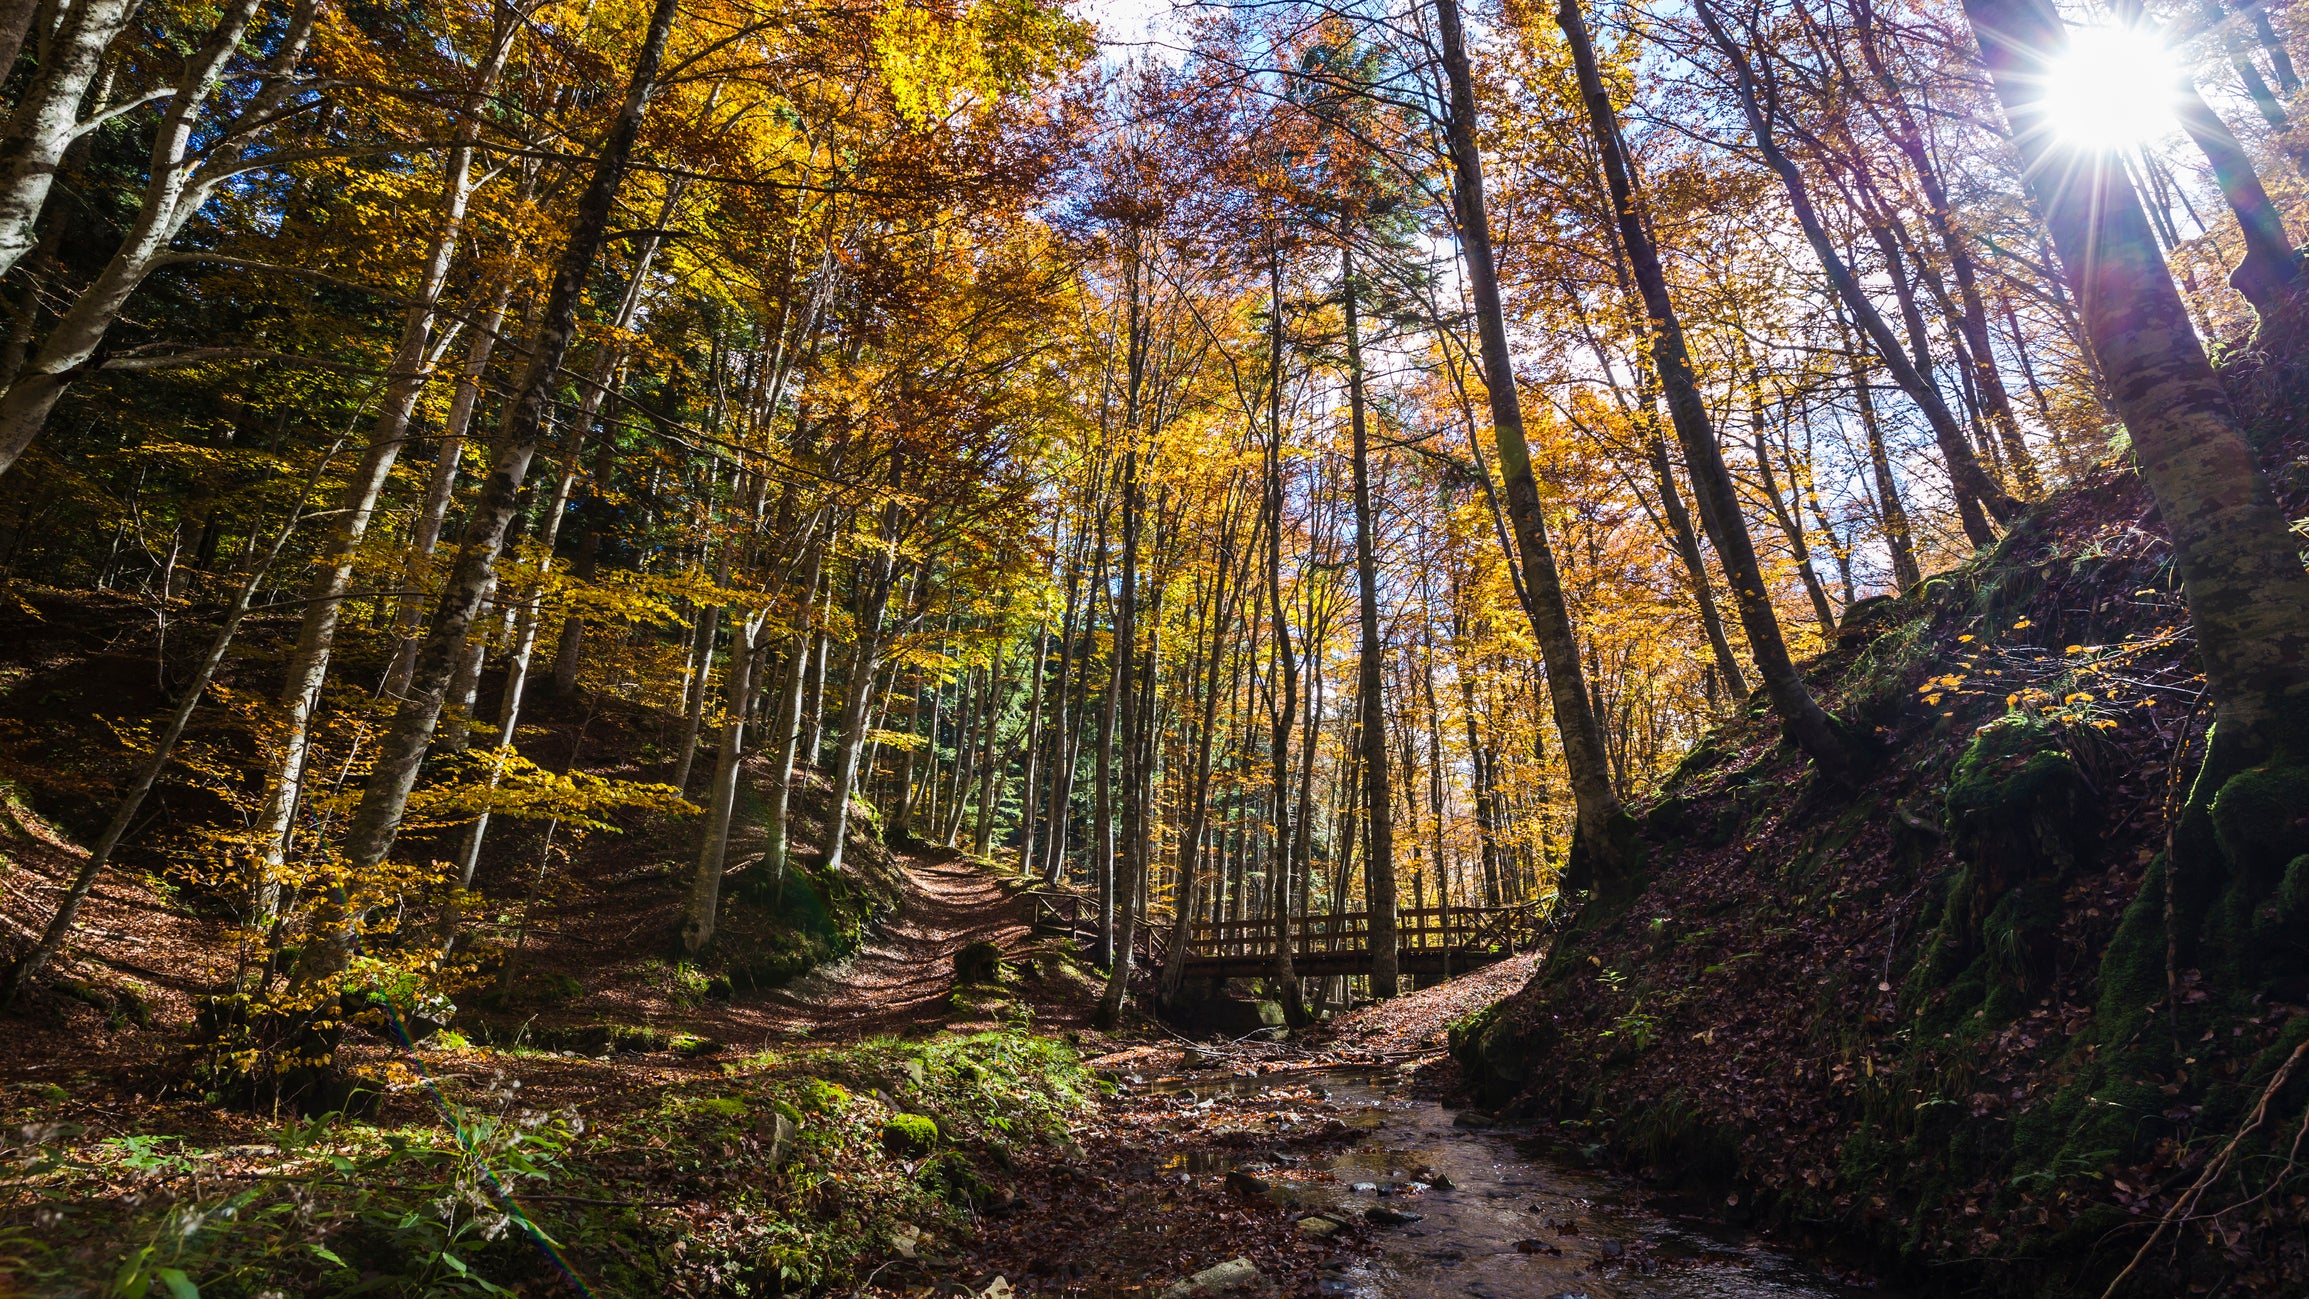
[
  {"x": 901, "y": 977},
  {"x": 1416, "y": 1023}
]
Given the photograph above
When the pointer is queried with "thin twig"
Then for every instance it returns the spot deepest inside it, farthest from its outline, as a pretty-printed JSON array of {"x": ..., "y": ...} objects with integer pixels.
[{"x": 2181, "y": 1207}]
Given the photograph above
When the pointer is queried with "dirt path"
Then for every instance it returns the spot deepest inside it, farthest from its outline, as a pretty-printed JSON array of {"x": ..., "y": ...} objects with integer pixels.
[
  {"x": 1417, "y": 1023},
  {"x": 901, "y": 977}
]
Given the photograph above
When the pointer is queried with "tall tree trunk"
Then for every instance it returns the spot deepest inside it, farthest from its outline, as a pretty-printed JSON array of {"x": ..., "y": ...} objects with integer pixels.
[
  {"x": 1030, "y": 786},
  {"x": 2269, "y": 273},
  {"x": 440, "y": 489},
  {"x": 1970, "y": 480},
  {"x": 308, "y": 666},
  {"x": 1102, "y": 784},
  {"x": 1909, "y": 138},
  {"x": 1606, "y": 835},
  {"x": 865, "y": 665},
  {"x": 1899, "y": 538},
  {"x": 786, "y": 726},
  {"x": 991, "y": 767},
  {"x": 1285, "y": 695},
  {"x": 1127, "y": 873},
  {"x": 1807, "y": 723},
  {"x": 708, "y": 630},
  {"x": 1378, "y": 798},
  {"x": 1063, "y": 727},
  {"x": 1198, "y": 791},
  {"x": 702, "y": 912},
  {"x": 377, "y": 819}
]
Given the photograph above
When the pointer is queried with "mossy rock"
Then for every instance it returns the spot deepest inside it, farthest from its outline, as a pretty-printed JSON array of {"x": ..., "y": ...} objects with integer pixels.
[
  {"x": 909, "y": 1134},
  {"x": 120, "y": 1006},
  {"x": 2018, "y": 809},
  {"x": 2261, "y": 820},
  {"x": 1866, "y": 620},
  {"x": 631, "y": 1039},
  {"x": 817, "y": 1096},
  {"x": 978, "y": 962},
  {"x": 954, "y": 1179}
]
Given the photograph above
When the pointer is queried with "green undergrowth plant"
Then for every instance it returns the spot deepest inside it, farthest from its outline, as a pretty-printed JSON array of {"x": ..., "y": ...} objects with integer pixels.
[
  {"x": 812, "y": 1157},
  {"x": 323, "y": 1207},
  {"x": 774, "y": 1176}
]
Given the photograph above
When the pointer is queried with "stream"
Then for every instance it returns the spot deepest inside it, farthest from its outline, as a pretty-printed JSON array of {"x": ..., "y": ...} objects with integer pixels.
[{"x": 1511, "y": 1218}]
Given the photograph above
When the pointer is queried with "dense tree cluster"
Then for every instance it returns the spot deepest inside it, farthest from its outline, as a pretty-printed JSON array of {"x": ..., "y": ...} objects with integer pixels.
[{"x": 1337, "y": 466}]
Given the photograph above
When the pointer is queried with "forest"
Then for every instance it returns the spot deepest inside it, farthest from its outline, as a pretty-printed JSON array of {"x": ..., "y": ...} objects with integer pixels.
[{"x": 1252, "y": 647}]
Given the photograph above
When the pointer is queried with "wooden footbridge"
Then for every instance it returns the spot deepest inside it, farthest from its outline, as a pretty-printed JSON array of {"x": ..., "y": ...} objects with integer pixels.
[{"x": 1430, "y": 942}]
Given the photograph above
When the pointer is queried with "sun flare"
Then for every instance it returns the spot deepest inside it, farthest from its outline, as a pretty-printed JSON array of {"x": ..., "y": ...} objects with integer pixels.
[{"x": 2112, "y": 89}]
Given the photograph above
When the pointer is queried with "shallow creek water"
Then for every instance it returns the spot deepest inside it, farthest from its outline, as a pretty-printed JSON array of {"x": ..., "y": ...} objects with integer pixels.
[{"x": 1518, "y": 1222}]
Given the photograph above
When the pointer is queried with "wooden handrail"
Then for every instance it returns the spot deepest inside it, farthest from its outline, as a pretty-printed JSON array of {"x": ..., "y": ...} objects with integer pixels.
[{"x": 1458, "y": 928}]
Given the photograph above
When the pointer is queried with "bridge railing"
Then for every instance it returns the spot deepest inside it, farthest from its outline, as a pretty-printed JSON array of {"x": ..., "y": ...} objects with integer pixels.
[
  {"x": 1417, "y": 929},
  {"x": 1068, "y": 915}
]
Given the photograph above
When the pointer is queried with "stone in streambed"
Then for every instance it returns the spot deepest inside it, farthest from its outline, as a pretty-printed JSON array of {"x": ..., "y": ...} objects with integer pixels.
[
  {"x": 1387, "y": 1217},
  {"x": 1537, "y": 1246},
  {"x": 1320, "y": 1227},
  {"x": 1233, "y": 1276},
  {"x": 1244, "y": 1186}
]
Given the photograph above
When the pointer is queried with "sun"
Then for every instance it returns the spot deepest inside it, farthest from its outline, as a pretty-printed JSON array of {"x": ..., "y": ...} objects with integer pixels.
[{"x": 2113, "y": 88}]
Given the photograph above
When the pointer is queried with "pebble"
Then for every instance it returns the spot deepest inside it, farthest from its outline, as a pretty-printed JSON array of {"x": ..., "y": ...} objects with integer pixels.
[
  {"x": 1537, "y": 1246},
  {"x": 1612, "y": 1249},
  {"x": 1386, "y": 1217},
  {"x": 1365, "y": 1188}
]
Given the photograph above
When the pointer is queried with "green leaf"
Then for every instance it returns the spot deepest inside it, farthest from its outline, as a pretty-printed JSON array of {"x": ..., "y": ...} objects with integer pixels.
[
  {"x": 179, "y": 1285},
  {"x": 324, "y": 1251},
  {"x": 131, "y": 1281}
]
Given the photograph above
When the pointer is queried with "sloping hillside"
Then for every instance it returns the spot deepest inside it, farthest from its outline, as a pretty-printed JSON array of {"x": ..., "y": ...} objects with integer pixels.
[{"x": 1940, "y": 1011}]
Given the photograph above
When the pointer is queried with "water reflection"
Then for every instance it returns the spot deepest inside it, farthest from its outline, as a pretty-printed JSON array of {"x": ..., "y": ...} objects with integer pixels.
[{"x": 1472, "y": 1213}]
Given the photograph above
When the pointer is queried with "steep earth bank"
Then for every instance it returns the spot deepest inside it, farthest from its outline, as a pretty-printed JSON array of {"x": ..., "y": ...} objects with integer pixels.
[{"x": 1960, "y": 1012}]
